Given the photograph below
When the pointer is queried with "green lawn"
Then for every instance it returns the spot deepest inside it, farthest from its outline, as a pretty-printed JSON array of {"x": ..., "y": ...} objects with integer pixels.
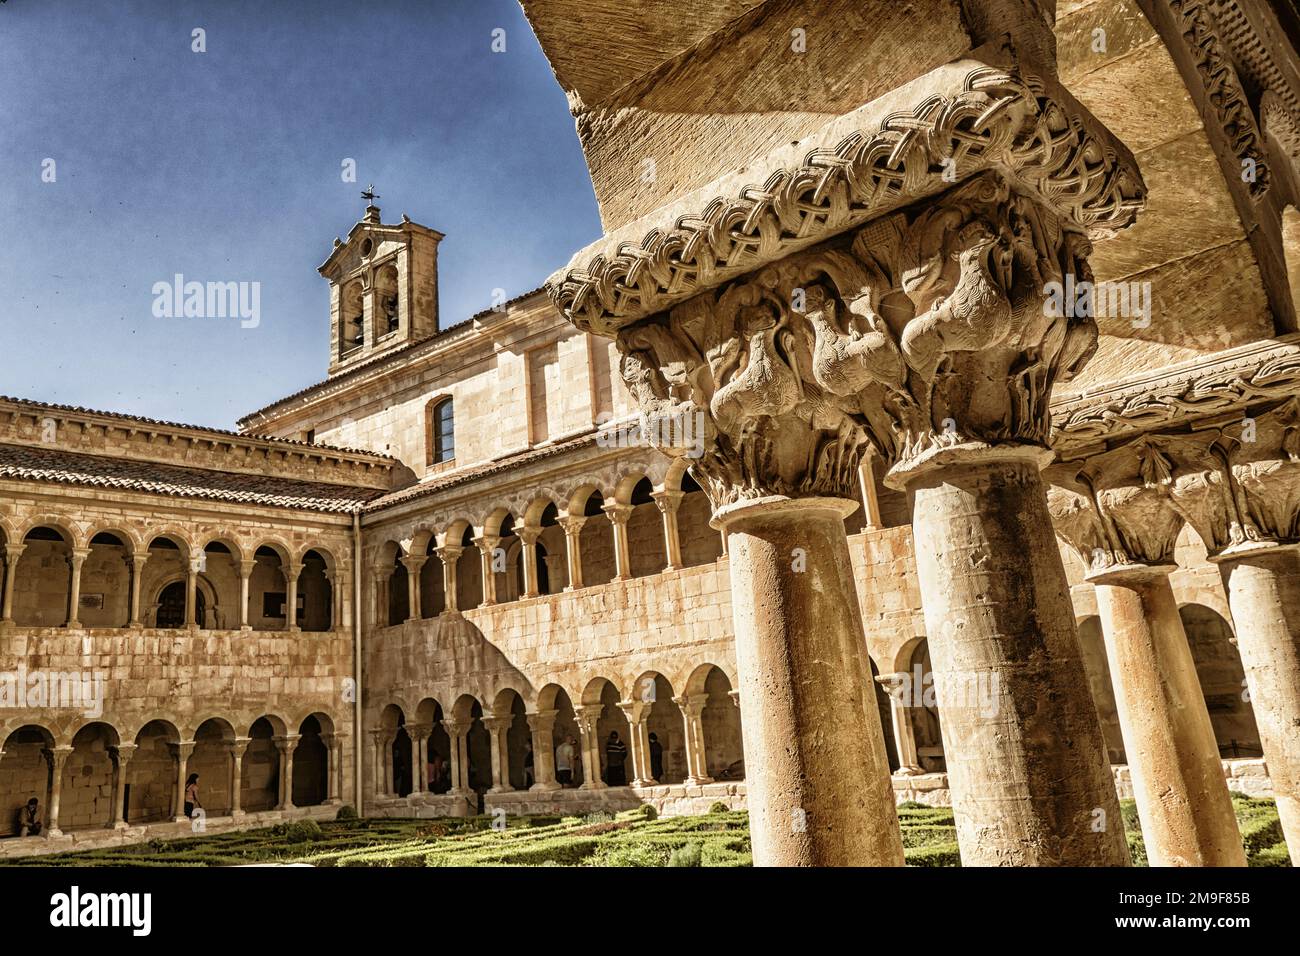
[{"x": 632, "y": 838}]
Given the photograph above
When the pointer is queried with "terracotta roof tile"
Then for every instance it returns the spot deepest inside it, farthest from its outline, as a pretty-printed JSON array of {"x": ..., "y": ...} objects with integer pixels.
[
  {"x": 29, "y": 463},
  {"x": 140, "y": 419}
]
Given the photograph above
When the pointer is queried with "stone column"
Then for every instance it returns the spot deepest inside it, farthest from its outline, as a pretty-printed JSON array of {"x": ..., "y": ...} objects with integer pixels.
[
  {"x": 292, "y": 572},
  {"x": 390, "y": 771},
  {"x": 57, "y": 758},
  {"x": 456, "y": 732},
  {"x": 897, "y": 686},
  {"x": 334, "y": 778},
  {"x": 137, "y": 563},
  {"x": 236, "y": 749},
  {"x": 1250, "y": 529},
  {"x": 12, "y": 553},
  {"x": 1116, "y": 511},
  {"x": 76, "y": 559},
  {"x": 697, "y": 764},
  {"x": 487, "y": 545},
  {"x": 419, "y": 736},
  {"x": 618, "y": 515},
  {"x": 122, "y": 760},
  {"x": 795, "y": 608},
  {"x": 1186, "y": 813},
  {"x": 542, "y": 724},
  {"x": 286, "y": 745},
  {"x": 572, "y": 525},
  {"x": 245, "y": 575},
  {"x": 554, "y": 571},
  {"x": 870, "y": 501},
  {"x": 379, "y": 764},
  {"x": 588, "y": 716},
  {"x": 381, "y": 576},
  {"x": 497, "y": 728},
  {"x": 449, "y": 555},
  {"x": 413, "y": 563},
  {"x": 181, "y": 751},
  {"x": 191, "y": 590},
  {"x": 638, "y": 718},
  {"x": 668, "y": 502},
  {"x": 1263, "y": 587},
  {"x": 528, "y": 542}
]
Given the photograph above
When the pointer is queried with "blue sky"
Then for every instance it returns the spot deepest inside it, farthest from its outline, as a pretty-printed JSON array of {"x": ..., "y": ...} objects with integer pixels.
[{"x": 226, "y": 166}]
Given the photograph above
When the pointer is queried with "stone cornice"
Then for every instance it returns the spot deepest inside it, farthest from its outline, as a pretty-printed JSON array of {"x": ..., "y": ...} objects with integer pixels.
[
  {"x": 1221, "y": 384},
  {"x": 880, "y": 157}
]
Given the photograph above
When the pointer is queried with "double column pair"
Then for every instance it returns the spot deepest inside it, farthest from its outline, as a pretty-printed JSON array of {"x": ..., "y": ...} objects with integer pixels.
[
  {"x": 797, "y": 374},
  {"x": 1236, "y": 486}
]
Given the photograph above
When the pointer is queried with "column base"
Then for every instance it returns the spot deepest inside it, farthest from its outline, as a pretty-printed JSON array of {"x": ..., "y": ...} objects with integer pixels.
[
  {"x": 237, "y": 814},
  {"x": 53, "y": 832},
  {"x": 594, "y": 785},
  {"x": 697, "y": 781},
  {"x": 909, "y": 772},
  {"x": 181, "y": 819},
  {"x": 119, "y": 825},
  {"x": 245, "y": 627},
  {"x": 544, "y": 787}
]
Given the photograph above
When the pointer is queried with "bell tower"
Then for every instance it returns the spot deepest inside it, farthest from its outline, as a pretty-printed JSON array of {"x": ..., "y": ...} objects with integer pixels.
[{"x": 383, "y": 288}]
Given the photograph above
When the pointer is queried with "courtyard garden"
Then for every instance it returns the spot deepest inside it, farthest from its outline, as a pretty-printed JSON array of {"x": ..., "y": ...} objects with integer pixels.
[{"x": 632, "y": 838}]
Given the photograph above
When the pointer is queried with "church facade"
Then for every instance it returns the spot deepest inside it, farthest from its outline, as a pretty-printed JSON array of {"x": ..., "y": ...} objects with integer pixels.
[{"x": 922, "y": 428}]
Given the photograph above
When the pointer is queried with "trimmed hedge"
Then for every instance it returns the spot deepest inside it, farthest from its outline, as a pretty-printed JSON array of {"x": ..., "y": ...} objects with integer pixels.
[{"x": 633, "y": 838}]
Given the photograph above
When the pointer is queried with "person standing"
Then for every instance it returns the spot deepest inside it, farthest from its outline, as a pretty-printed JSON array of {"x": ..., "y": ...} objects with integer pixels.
[
  {"x": 192, "y": 795},
  {"x": 656, "y": 758},
  {"x": 615, "y": 758},
  {"x": 564, "y": 755}
]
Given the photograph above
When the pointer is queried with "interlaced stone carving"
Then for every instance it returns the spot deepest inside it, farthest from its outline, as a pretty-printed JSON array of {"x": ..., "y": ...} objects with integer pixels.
[
  {"x": 1223, "y": 89},
  {"x": 924, "y": 331},
  {"x": 996, "y": 119},
  {"x": 1228, "y": 383}
]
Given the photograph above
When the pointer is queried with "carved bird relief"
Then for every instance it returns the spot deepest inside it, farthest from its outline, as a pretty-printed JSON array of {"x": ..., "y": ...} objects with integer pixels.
[
  {"x": 975, "y": 316},
  {"x": 765, "y": 385},
  {"x": 845, "y": 364}
]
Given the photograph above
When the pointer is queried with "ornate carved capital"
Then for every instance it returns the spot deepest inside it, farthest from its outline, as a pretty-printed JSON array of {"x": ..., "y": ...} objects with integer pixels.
[
  {"x": 922, "y": 334},
  {"x": 1115, "y": 509},
  {"x": 860, "y": 166},
  {"x": 1263, "y": 456}
]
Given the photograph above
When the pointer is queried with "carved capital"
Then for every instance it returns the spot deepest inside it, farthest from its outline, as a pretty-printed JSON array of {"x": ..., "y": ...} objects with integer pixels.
[
  {"x": 572, "y": 524},
  {"x": 1115, "y": 509},
  {"x": 925, "y": 335},
  {"x": 1263, "y": 458}
]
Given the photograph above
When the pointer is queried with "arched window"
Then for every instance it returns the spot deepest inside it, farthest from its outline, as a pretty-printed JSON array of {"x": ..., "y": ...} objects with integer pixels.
[
  {"x": 386, "y": 300},
  {"x": 351, "y": 332},
  {"x": 441, "y": 431}
]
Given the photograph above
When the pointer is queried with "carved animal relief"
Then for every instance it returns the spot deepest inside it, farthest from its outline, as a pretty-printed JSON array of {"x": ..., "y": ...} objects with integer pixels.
[{"x": 923, "y": 331}]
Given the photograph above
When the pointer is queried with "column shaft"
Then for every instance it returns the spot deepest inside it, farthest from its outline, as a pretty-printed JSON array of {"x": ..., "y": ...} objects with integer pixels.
[
  {"x": 1264, "y": 596},
  {"x": 1186, "y": 814},
  {"x": 1001, "y": 625},
  {"x": 815, "y": 798}
]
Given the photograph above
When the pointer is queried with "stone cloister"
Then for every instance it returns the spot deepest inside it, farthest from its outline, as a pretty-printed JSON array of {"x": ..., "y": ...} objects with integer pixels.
[{"x": 931, "y": 436}]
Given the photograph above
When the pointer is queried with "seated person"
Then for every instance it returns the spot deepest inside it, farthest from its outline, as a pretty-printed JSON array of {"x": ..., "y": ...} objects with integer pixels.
[{"x": 29, "y": 818}]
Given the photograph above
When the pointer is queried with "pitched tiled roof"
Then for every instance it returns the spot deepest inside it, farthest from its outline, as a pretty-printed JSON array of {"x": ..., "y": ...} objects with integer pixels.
[
  {"x": 30, "y": 463},
  {"x": 140, "y": 419}
]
